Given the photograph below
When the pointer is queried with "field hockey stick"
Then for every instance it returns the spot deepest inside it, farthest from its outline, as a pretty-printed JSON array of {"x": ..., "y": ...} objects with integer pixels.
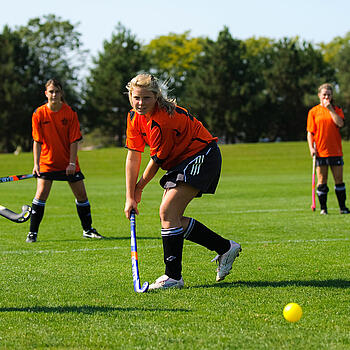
[
  {"x": 16, "y": 177},
  {"x": 313, "y": 205},
  {"x": 18, "y": 218},
  {"x": 134, "y": 258}
]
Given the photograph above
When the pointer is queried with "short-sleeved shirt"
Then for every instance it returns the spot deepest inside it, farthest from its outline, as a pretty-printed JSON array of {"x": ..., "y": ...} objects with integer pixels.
[
  {"x": 55, "y": 131},
  {"x": 172, "y": 137},
  {"x": 326, "y": 133}
]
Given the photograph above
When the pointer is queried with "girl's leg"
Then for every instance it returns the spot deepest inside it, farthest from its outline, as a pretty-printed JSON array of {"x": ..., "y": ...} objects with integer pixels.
[
  {"x": 38, "y": 206},
  {"x": 175, "y": 226},
  {"x": 83, "y": 209},
  {"x": 322, "y": 188},
  {"x": 174, "y": 203},
  {"x": 340, "y": 190}
]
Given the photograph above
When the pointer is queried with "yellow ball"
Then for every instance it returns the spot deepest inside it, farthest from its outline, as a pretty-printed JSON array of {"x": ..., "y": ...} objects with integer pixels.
[{"x": 292, "y": 312}]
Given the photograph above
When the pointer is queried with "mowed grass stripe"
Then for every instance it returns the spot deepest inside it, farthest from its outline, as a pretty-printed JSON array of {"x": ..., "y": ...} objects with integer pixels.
[{"x": 147, "y": 246}]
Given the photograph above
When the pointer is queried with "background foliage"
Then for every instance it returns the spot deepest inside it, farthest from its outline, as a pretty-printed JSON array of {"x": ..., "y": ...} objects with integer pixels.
[{"x": 242, "y": 90}]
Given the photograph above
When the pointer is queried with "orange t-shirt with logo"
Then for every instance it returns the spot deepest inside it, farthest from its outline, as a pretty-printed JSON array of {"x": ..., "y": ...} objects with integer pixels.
[
  {"x": 326, "y": 133},
  {"x": 172, "y": 138},
  {"x": 55, "y": 131}
]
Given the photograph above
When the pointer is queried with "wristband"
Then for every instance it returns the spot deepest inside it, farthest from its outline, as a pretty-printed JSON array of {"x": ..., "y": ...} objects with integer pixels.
[{"x": 72, "y": 164}]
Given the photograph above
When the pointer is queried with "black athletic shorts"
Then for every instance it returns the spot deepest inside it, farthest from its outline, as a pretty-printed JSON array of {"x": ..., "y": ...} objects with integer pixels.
[
  {"x": 329, "y": 161},
  {"x": 201, "y": 171},
  {"x": 62, "y": 176}
]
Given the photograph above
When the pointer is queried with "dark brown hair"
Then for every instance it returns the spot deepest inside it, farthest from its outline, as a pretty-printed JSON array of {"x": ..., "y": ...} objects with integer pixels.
[{"x": 56, "y": 84}]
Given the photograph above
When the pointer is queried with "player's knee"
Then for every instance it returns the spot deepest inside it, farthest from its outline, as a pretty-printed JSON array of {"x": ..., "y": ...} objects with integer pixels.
[
  {"x": 163, "y": 213},
  {"x": 168, "y": 217},
  {"x": 322, "y": 189},
  {"x": 340, "y": 186}
]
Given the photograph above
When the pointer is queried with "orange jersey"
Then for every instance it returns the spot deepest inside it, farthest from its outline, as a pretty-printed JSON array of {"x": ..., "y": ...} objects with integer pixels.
[
  {"x": 326, "y": 133},
  {"x": 172, "y": 138},
  {"x": 56, "y": 131}
]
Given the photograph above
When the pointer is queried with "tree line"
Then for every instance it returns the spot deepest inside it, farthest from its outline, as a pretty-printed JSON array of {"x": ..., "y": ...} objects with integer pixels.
[{"x": 242, "y": 90}]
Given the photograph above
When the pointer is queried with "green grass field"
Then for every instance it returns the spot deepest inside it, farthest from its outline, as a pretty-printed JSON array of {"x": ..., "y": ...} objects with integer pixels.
[{"x": 66, "y": 292}]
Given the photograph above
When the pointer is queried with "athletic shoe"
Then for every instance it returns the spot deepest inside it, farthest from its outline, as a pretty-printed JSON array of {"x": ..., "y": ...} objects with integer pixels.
[
  {"x": 165, "y": 282},
  {"x": 32, "y": 236},
  {"x": 92, "y": 233},
  {"x": 323, "y": 212},
  {"x": 344, "y": 211},
  {"x": 226, "y": 260}
]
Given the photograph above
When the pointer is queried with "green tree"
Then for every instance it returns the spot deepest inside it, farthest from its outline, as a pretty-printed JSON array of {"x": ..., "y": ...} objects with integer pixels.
[
  {"x": 256, "y": 46},
  {"x": 172, "y": 57},
  {"x": 341, "y": 62},
  {"x": 218, "y": 89},
  {"x": 331, "y": 50},
  {"x": 58, "y": 46},
  {"x": 106, "y": 102},
  {"x": 18, "y": 66},
  {"x": 293, "y": 71}
]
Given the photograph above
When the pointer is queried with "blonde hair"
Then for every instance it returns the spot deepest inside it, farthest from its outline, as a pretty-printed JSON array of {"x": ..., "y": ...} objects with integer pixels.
[
  {"x": 327, "y": 86},
  {"x": 152, "y": 84}
]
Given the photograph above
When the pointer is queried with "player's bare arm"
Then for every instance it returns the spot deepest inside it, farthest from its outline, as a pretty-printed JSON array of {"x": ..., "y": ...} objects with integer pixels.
[
  {"x": 326, "y": 101},
  {"x": 149, "y": 173},
  {"x": 36, "y": 156},
  {"x": 132, "y": 168},
  {"x": 339, "y": 122},
  {"x": 73, "y": 152},
  {"x": 311, "y": 143}
]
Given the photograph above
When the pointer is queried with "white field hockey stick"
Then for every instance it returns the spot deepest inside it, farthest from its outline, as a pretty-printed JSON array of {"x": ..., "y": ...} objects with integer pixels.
[
  {"x": 134, "y": 258},
  {"x": 19, "y": 218}
]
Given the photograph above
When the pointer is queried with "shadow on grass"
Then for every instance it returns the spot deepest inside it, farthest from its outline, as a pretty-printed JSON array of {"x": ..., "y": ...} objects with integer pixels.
[
  {"x": 85, "y": 309},
  {"x": 336, "y": 283}
]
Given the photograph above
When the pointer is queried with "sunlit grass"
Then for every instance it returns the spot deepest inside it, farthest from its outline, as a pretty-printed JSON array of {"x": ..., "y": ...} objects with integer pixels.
[{"x": 66, "y": 292}]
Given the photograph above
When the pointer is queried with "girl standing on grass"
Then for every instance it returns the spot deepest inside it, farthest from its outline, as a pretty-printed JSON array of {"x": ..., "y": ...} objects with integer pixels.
[
  {"x": 324, "y": 140},
  {"x": 180, "y": 144},
  {"x": 56, "y": 133}
]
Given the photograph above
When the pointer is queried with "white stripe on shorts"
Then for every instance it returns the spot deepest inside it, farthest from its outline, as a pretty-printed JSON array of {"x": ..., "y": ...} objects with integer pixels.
[{"x": 198, "y": 161}]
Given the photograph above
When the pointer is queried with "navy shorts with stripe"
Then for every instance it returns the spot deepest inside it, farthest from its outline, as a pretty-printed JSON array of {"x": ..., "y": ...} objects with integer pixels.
[
  {"x": 329, "y": 161},
  {"x": 62, "y": 176},
  {"x": 202, "y": 171}
]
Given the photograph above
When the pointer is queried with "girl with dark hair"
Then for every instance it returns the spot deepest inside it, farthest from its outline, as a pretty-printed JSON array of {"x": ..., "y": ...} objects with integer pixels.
[{"x": 56, "y": 134}]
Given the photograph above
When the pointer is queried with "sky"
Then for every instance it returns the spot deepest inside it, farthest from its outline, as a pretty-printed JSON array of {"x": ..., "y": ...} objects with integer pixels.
[{"x": 312, "y": 20}]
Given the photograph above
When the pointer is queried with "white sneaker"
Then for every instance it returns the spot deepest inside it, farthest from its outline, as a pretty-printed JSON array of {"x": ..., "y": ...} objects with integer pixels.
[
  {"x": 165, "y": 282},
  {"x": 92, "y": 233},
  {"x": 226, "y": 260}
]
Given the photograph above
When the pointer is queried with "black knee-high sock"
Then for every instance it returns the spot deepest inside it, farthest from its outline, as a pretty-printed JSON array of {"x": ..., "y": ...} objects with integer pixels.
[
  {"x": 198, "y": 233},
  {"x": 340, "y": 191},
  {"x": 172, "y": 248},
  {"x": 84, "y": 212},
  {"x": 322, "y": 191},
  {"x": 38, "y": 207}
]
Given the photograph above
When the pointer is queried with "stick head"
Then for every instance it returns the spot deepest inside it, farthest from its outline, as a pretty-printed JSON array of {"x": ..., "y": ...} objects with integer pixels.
[
  {"x": 25, "y": 215},
  {"x": 143, "y": 289}
]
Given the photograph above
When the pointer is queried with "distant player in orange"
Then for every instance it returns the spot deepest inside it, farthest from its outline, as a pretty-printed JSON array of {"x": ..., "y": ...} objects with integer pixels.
[
  {"x": 56, "y": 133},
  {"x": 180, "y": 144},
  {"x": 324, "y": 139}
]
